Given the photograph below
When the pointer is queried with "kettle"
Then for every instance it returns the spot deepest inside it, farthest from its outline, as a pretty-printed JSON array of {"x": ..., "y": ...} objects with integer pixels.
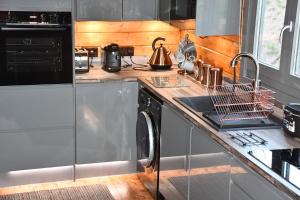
[{"x": 160, "y": 59}]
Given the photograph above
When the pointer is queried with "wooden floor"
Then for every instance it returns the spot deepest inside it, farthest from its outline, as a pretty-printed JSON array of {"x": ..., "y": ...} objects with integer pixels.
[{"x": 122, "y": 187}]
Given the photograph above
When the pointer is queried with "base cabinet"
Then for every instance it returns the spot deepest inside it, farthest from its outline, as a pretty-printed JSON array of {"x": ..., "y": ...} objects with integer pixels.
[
  {"x": 209, "y": 168},
  {"x": 33, "y": 149},
  {"x": 105, "y": 119},
  {"x": 246, "y": 184},
  {"x": 36, "y": 127},
  {"x": 174, "y": 147},
  {"x": 32, "y": 107}
]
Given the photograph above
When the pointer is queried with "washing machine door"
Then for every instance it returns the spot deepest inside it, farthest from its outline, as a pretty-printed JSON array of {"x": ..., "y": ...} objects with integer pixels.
[{"x": 146, "y": 139}]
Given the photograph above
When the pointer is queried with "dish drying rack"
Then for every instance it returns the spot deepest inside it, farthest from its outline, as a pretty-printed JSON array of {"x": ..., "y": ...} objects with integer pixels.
[{"x": 241, "y": 102}]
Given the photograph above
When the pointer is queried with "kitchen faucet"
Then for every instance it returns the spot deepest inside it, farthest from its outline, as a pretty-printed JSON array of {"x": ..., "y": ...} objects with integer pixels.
[{"x": 248, "y": 55}]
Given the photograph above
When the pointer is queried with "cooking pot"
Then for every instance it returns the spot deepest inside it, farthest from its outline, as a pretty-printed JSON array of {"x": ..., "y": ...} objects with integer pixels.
[
  {"x": 160, "y": 59},
  {"x": 291, "y": 119}
]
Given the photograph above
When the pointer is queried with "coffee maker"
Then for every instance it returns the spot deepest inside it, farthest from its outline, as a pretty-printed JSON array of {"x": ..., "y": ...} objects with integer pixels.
[{"x": 112, "y": 58}]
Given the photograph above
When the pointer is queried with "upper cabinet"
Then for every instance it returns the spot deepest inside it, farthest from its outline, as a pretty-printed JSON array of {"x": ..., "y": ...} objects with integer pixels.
[
  {"x": 139, "y": 9},
  {"x": 116, "y": 10},
  {"x": 98, "y": 10},
  {"x": 177, "y": 9},
  {"x": 36, "y": 5},
  {"x": 215, "y": 17}
]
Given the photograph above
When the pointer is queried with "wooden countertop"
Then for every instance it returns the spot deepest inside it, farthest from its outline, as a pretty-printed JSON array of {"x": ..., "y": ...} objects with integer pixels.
[{"x": 275, "y": 137}]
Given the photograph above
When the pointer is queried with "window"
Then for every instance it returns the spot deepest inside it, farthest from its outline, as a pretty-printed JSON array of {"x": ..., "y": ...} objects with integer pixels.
[
  {"x": 269, "y": 25},
  {"x": 271, "y": 31}
]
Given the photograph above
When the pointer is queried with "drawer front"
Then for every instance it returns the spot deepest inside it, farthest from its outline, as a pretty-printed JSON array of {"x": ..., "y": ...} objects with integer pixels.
[
  {"x": 36, "y": 149},
  {"x": 30, "y": 107}
]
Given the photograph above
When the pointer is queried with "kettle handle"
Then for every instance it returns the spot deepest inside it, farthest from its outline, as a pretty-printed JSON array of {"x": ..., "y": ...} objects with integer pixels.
[{"x": 155, "y": 40}]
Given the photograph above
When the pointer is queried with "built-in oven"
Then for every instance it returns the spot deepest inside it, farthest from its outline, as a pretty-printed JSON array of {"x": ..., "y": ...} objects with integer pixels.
[{"x": 35, "y": 48}]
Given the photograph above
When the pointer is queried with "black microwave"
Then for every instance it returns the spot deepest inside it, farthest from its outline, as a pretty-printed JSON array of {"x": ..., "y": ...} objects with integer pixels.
[{"x": 35, "y": 48}]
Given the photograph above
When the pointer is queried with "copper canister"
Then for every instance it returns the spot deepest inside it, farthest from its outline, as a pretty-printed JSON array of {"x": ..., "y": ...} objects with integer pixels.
[
  {"x": 205, "y": 73},
  {"x": 216, "y": 77}
]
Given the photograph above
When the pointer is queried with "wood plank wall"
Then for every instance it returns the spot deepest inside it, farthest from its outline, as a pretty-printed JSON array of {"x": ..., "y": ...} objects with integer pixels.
[
  {"x": 216, "y": 50},
  {"x": 139, "y": 34}
]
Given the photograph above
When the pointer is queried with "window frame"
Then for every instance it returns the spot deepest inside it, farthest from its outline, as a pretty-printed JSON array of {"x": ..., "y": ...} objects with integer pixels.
[{"x": 280, "y": 80}]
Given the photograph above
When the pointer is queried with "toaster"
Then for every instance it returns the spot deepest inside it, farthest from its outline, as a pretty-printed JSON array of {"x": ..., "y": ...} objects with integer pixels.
[{"x": 82, "y": 60}]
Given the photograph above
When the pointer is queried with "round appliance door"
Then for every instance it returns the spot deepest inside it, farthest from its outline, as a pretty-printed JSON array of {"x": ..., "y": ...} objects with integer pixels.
[{"x": 146, "y": 138}]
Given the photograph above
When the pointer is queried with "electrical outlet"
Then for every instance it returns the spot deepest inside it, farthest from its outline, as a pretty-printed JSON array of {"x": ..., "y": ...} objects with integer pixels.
[
  {"x": 92, "y": 51},
  {"x": 127, "y": 51}
]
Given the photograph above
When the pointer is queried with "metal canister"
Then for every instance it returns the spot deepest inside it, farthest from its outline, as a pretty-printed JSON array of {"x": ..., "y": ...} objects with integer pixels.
[
  {"x": 216, "y": 77},
  {"x": 205, "y": 74}
]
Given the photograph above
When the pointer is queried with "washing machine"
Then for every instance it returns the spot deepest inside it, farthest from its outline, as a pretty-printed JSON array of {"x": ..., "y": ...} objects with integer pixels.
[{"x": 148, "y": 140}]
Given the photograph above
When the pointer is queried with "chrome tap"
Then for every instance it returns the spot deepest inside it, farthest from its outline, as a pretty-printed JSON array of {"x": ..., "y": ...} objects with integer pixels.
[{"x": 248, "y": 55}]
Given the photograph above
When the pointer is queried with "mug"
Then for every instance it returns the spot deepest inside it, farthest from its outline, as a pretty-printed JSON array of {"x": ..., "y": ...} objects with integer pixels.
[{"x": 187, "y": 65}]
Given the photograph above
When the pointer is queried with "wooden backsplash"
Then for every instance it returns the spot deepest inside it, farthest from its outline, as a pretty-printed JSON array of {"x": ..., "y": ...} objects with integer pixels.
[
  {"x": 216, "y": 50},
  {"x": 139, "y": 34}
]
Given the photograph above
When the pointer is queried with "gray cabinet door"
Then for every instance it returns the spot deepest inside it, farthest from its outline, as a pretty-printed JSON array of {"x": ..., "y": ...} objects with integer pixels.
[
  {"x": 215, "y": 17},
  {"x": 139, "y": 9},
  {"x": 252, "y": 185},
  {"x": 31, "y": 107},
  {"x": 36, "y": 149},
  {"x": 209, "y": 168},
  {"x": 173, "y": 155},
  {"x": 36, "y": 5},
  {"x": 106, "y": 116},
  {"x": 99, "y": 10}
]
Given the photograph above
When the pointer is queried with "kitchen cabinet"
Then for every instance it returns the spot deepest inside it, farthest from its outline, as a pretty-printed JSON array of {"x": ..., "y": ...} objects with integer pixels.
[
  {"x": 36, "y": 126},
  {"x": 139, "y": 9},
  {"x": 246, "y": 184},
  {"x": 209, "y": 168},
  {"x": 105, "y": 121},
  {"x": 99, "y": 10},
  {"x": 215, "y": 17},
  {"x": 32, "y": 149},
  {"x": 36, "y": 5},
  {"x": 174, "y": 148},
  {"x": 116, "y": 9},
  {"x": 177, "y": 9},
  {"x": 32, "y": 107}
]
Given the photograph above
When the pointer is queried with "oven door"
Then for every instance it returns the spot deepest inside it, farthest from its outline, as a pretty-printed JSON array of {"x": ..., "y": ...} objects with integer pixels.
[
  {"x": 147, "y": 152},
  {"x": 31, "y": 55}
]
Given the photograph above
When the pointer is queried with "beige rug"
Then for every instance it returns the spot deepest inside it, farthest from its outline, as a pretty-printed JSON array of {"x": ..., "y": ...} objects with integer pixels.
[{"x": 90, "y": 192}]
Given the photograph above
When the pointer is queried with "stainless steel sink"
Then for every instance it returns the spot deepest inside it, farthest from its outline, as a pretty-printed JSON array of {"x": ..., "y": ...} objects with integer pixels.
[{"x": 203, "y": 107}]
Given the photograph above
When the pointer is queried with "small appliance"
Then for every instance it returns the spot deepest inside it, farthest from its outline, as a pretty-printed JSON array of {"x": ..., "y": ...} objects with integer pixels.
[
  {"x": 291, "y": 119},
  {"x": 82, "y": 60},
  {"x": 160, "y": 59},
  {"x": 112, "y": 58},
  {"x": 284, "y": 162}
]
